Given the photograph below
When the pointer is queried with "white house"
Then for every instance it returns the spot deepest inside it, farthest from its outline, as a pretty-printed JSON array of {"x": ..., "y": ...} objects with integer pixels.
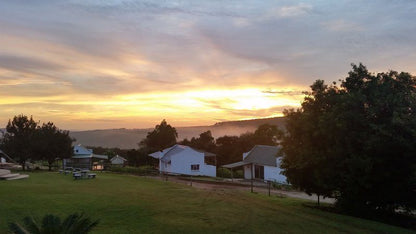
[
  {"x": 185, "y": 160},
  {"x": 261, "y": 162},
  {"x": 118, "y": 160},
  {"x": 85, "y": 158}
]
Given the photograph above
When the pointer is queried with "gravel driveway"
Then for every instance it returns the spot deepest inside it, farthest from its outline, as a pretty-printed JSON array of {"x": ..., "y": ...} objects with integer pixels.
[{"x": 259, "y": 187}]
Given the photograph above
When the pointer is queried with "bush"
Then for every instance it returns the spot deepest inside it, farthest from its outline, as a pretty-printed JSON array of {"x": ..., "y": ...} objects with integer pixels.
[{"x": 226, "y": 173}]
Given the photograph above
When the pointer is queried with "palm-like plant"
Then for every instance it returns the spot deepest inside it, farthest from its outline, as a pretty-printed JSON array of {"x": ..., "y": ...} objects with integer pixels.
[{"x": 51, "y": 224}]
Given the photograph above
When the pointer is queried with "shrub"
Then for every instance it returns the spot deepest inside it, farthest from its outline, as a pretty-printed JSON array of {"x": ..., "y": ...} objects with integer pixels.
[
  {"x": 73, "y": 224},
  {"x": 226, "y": 173}
]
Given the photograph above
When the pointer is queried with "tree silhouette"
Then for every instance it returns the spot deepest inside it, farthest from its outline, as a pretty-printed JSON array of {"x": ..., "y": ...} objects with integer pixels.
[
  {"x": 18, "y": 141},
  {"x": 356, "y": 141},
  {"x": 52, "y": 143},
  {"x": 163, "y": 136}
]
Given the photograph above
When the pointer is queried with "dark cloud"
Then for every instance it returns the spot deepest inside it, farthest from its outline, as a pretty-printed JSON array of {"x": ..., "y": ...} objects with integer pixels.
[
  {"x": 289, "y": 93},
  {"x": 22, "y": 63}
]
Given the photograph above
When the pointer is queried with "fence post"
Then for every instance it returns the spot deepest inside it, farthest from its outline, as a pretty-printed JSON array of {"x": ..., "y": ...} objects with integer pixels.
[
  {"x": 269, "y": 185},
  {"x": 251, "y": 168}
]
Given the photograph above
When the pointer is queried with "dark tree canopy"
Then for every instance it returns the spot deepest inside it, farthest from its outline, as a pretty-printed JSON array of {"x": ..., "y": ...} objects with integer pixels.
[
  {"x": 163, "y": 136},
  {"x": 356, "y": 142},
  {"x": 18, "y": 141},
  {"x": 205, "y": 141},
  {"x": 52, "y": 143},
  {"x": 25, "y": 140}
]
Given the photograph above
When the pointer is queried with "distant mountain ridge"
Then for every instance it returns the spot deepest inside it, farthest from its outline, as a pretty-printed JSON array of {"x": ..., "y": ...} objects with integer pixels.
[{"x": 129, "y": 138}]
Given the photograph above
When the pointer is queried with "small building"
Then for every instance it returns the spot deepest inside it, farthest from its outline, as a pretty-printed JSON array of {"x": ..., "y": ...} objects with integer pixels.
[
  {"x": 181, "y": 159},
  {"x": 118, "y": 160},
  {"x": 85, "y": 159},
  {"x": 261, "y": 162}
]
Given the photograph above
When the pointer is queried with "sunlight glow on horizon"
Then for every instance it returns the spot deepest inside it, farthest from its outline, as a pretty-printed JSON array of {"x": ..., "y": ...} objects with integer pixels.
[{"x": 189, "y": 108}]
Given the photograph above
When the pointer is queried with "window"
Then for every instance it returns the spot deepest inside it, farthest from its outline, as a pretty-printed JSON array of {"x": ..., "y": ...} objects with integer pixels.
[{"x": 195, "y": 167}]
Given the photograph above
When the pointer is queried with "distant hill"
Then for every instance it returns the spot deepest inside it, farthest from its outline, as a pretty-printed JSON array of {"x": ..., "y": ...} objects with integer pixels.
[{"x": 128, "y": 138}]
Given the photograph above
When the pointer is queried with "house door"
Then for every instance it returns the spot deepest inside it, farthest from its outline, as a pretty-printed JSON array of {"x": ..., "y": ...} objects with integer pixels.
[{"x": 259, "y": 172}]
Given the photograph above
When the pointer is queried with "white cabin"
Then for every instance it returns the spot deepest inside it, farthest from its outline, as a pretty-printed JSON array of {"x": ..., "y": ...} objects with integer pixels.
[
  {"x": 261, "y": 162},
  {"x": 85, "y": 159},
  {"x": 185, "y": 160}
]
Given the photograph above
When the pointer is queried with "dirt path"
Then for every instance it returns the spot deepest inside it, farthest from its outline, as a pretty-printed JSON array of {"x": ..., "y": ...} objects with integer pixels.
[{"x": 212, "y": 185}]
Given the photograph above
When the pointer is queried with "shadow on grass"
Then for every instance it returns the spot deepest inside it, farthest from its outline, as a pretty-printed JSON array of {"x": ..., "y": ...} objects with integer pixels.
[{"x": 401, "y": 220}]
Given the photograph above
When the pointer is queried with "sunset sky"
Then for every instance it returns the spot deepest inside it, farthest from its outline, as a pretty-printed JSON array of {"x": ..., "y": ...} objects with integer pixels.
[{"x": 91, "y": 64}]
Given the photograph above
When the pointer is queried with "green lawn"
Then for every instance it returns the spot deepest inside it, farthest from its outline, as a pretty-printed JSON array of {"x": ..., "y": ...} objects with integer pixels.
[{"x": 130, "y": 204}]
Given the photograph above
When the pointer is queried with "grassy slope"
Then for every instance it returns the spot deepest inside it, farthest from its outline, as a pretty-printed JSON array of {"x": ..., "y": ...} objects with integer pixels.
[{"x": 128, "y": 204}]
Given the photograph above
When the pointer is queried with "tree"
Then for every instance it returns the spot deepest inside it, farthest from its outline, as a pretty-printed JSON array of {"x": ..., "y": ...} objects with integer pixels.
[
  {"x": 140, "y": 157},
  {"x": 205, "y": 141},
  {"x": 356, "y": 141},
  {"x": 163, "y": 136},
  {"x": 18, "y": 141},
  {"x": 73, "y": 224},
  {"x": 267, "y": 134},
  {"x": 228, "y": 150},
  {"x": 52, "y": 143}
]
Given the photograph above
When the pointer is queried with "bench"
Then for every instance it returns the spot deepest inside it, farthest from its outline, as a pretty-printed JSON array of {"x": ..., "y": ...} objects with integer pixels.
[
  {"x": 91, "y": 176},
  {"x": 77, "y": 176}
]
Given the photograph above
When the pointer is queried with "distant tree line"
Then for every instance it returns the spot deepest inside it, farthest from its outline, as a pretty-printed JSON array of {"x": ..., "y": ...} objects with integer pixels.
[
  {"x": 228, "y": 149},
  {"x": 26, "y": 140}
]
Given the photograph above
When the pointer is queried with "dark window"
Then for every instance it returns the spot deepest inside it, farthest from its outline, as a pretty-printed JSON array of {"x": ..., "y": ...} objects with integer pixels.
[{"x": 195, "y": 167}]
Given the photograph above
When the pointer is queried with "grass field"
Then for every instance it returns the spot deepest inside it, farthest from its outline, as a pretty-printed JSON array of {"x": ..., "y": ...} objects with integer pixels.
[{"x": 130, "y": 204}]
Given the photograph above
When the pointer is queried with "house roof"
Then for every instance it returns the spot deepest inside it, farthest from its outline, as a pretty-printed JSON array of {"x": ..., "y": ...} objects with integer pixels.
[
  {"x": 264, "y": 155},
  {"x": 90, "y": 156},
  {"x": 166, "y": 154},
  {"x": 82, "y": 152},
  {"x": 117, "y": 156},
  {"x": 207, "y": 154},
  {"x": 236, "y": 164}
]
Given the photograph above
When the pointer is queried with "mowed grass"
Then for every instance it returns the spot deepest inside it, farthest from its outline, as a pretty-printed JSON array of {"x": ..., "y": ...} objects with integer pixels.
[{"x": 130, "y": 204}]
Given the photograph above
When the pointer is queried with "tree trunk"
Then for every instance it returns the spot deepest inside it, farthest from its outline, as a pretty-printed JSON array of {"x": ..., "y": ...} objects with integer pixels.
[
  {"x": 50, "y": 166},
  {"x": 23, "y": 166},
  {"x": 318, "y": 199}
]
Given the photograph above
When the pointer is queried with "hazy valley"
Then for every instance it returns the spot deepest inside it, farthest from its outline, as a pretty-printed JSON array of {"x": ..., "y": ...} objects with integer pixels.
[{"x": 128, "y": 138}]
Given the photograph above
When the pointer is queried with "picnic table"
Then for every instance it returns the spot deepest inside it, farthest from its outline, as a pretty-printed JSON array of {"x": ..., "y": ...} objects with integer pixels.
[
  {"x": 83, "y": 174},
  {"x": 77, "y": 176}
]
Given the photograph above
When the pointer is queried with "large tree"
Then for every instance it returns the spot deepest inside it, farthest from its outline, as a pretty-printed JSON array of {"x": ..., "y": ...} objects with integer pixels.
[
  {"x": 18, "y": 141},
  {"x": 52, "y": 143},
  {"x": 161, "y": 137},
  {"x": 356, "y": 142}
]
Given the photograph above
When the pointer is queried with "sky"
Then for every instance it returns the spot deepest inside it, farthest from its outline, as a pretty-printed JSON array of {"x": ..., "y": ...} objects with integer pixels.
[{"x": 97, "y": 64}]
